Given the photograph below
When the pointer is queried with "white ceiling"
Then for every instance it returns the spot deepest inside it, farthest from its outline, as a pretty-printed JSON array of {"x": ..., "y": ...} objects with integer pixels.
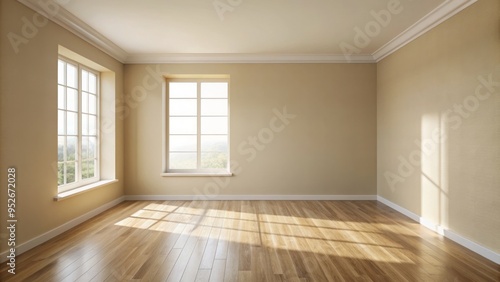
[{"x": 159, "y": 28}]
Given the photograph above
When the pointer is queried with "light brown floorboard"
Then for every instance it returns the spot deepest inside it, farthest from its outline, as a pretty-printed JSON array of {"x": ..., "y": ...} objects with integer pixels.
[{"x": 250, "y": 241}]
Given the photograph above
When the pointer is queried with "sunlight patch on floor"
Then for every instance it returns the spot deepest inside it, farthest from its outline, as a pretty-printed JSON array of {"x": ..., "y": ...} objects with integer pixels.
[{"x": 354, "y": 240}]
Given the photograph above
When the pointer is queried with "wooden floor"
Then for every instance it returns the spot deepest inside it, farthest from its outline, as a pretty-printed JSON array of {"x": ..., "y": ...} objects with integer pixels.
[{"x": 251, "y": 241}]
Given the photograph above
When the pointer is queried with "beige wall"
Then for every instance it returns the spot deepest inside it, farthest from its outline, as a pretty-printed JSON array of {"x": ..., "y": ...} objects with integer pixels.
[
  {"x": 345, "y": 115},
  {"x": 426, "y": 89},
  {"x": 327, "y": 149},
  {"x": 28, "y": 125}
]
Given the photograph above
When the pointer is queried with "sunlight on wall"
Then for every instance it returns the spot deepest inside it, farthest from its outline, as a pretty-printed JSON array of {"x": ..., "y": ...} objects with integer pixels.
[{"x": 434, "y": 188}]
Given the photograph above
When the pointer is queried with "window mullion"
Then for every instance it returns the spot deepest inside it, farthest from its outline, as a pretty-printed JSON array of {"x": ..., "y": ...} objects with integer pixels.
[
  {"x": 78, "y": 171},
  {"x": 65, "y": 127},
  {"x": 97, "y": 158},
  {"x": 198, "y": 135},
  {"x": 65, "y": 143},
  {"x": 65, "y": 160}
]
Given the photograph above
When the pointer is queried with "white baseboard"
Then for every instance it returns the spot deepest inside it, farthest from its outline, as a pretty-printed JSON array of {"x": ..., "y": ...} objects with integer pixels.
[
  {"x": 473, "y": 246},
  {"x": 60, "y": 229},
  {"x": 250, "y": 197},
  {"x": 400, "y": 209}
]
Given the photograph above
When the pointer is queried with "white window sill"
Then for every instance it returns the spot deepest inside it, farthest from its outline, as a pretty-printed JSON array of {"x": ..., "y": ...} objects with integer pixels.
[
  {"x": 189, "y": 174},
  {"x": 73, "y": 192}
]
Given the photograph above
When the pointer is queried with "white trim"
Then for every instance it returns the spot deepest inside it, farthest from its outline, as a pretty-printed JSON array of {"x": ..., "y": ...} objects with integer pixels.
[
  {"x": 76, "y": 191},
  {"x": 429, "y": 224},
  {"x": 440, "y": 14},
  {"x": 467, "y": 243},
  {"x": 195, "y": 174},
  {"x": 400, "y": 209},
  {"x": 473, "y": 246},
  {"x": 70, "y": 22},
  {"x": 251, "y": 197},
  {"x": 246, "y": 58},
  {"x": 60, "y": 229}
]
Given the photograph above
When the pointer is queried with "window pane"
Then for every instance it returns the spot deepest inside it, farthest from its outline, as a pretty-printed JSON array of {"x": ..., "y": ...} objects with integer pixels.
[
  {"x": 214, "y": 90},
  {"x": 70, "y": 172},
  {"x": 60, "y": 148},
  {"x": 60, "y": 97},
  {"x": 214, "y": 107},
  {"x": 85, "y": 102},
  {"x": 91, "y": 168},
  {"x": 60, "y": 173},
  {"x": 92, "y": 83},
  {"x": 182, "y": 125},
  {"x": 61, "y": 123},
  {"x": 92, "y": 148},
  {"x": 214, "y": 160},
  {"x": 183, "y": 143},
  {"x": 72, "y": 123},
  {"x": 92, "y": 104},
  {"x": 60, "y": 72},
  {"x": 85, "y": 148},
  {"x": 182, "y": 107},
  {"x": 72, "y": 97},
  {"x": 92, "y": 125},
  {"x": 182, "y": 89},
  {"x": 71, "y": 148},
  {"x": 182, "y": 161},
  {"x": 71, "y": 76},
  {"x": 85, "y": 80},
  {"x": 85, "y": 124},
  {"x": 85, "y": 173},
  {"x": 214, "y": 143},
  {"x": 214, "y": 125}
]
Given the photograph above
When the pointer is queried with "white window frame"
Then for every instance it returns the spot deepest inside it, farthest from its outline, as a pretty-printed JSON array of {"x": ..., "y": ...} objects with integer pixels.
[
  {"x": 166, "y": 118},
  {"x": 79, "y": 182}
]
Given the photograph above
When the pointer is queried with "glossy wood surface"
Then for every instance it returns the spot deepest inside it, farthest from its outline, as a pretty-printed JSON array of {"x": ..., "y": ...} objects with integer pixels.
[{"x": 251, "y": 241}]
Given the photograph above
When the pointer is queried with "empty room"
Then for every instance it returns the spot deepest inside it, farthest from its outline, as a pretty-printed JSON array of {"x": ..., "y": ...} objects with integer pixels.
[{"x": 239, "y": 140}]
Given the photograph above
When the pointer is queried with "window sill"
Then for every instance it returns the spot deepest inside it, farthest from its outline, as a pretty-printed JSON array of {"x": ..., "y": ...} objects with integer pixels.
[
  {"x": 73, "y": 192},
  {"x": 189, "y": 174}
]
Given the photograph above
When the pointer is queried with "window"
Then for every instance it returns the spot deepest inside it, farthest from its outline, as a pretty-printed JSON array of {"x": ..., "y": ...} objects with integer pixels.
[
  {"x": 198, "y": 126},
  {"x": 78, "y": 120}
]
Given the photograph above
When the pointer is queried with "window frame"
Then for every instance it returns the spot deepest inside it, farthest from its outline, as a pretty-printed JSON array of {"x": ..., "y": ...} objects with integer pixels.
[
  {"x": 198, "y": 171},
  {"x": 79, "y": 182}
]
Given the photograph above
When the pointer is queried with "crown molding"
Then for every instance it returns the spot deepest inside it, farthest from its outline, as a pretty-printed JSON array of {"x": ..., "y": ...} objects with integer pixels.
[
  {"x": 56, "y": 13},
  {"x": 440, "y": 14},
  {"x": 245, "y": 58},
  {"x": 70, "y": 22}
]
